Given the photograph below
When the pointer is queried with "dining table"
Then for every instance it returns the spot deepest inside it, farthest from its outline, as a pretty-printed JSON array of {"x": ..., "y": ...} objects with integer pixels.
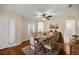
[{"x": 41, "y": 39}]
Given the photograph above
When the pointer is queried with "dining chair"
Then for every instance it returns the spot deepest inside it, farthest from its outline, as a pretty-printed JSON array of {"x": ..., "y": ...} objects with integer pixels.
[
  {"x": 50, "y": 45},
  {"x": 60, "y": 39},
  {"x": 34, "y": 46}
]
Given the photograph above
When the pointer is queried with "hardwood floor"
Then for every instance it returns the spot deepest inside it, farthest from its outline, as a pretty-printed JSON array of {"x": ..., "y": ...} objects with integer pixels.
[
  {"x": 74, "y": 49},
  {"x": 17, "y": 50},
  {"x": 14, "y": 50}
]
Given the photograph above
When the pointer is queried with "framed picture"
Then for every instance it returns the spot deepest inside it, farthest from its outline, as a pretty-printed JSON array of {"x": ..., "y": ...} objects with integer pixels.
[{"x": 51, "y": 26}]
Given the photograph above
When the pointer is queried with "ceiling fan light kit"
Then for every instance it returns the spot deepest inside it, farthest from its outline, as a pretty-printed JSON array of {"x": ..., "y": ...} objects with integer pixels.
[{"x": 46, "y": 17}]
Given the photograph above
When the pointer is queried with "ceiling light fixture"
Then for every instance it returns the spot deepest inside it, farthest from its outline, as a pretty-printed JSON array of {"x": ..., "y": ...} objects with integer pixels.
[{"x": 46, "y": 17}]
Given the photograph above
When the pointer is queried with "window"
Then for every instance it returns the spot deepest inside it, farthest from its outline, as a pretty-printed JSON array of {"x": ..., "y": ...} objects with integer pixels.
[
  {"x": 7, "y": 31},
  {"x": 40, "y": 26},
  {"x": 31, "y": 28},
  {"x": 28, "y": 29},
  {"x": 33, "y": 25},
  {"x": 70, "y": 29},
  {"x": 12, "y": 27}
]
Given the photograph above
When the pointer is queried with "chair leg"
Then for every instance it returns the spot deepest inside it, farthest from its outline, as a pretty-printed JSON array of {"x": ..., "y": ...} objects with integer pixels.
[{"x": 30, "y": 50}]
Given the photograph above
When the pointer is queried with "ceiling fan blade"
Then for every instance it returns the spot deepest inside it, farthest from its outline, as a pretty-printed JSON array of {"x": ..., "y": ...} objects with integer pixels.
[{"x": 50, "y": 16}]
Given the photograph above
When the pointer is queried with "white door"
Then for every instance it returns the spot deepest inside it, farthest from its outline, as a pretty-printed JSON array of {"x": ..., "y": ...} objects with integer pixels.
[
  {"x": 12, "y": 30},
  {"x": 4, "y": 22},
  {"x": 7, "y": 31},
  {"x": 70, "y": 29},
  {"x": 40, "y": 26},
  {"x": 31, "y": 29}
]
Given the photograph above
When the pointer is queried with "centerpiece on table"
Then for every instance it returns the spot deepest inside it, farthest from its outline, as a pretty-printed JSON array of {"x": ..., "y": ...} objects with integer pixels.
[{"x": 44, "y": 33}]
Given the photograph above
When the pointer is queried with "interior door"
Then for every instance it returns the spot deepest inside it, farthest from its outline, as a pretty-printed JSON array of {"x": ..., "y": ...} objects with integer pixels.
[
  {"x": 70, "y": 29},
  {"x": 12, "y": 30},
  {"x": 4, "y": 22}
]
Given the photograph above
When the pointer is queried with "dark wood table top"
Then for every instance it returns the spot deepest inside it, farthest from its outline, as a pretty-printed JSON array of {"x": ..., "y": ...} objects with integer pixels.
[{"x": 42, "y": 38}]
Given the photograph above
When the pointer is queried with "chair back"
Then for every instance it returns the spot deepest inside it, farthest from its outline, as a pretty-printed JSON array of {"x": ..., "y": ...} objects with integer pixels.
[
  {"x": 34, "y": 34},
  {"x": 60, "y": 39},
  {"x": 54, "y": 38},
  {"x": 32, "y": 43},
  {"x": 32, "y": 40},
  {"x": 53, "y": 42}
]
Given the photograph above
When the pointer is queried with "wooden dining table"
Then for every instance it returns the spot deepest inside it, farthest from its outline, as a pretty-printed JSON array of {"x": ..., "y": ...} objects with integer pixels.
[{"x": 41, "y": 39}]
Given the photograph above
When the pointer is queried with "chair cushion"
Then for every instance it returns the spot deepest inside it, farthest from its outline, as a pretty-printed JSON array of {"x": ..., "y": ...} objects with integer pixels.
[{"x": 47, "y": 46}]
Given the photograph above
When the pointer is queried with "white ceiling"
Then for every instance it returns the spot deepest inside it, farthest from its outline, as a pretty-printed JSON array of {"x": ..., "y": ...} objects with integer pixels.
[{"x": 32, "y": 10}]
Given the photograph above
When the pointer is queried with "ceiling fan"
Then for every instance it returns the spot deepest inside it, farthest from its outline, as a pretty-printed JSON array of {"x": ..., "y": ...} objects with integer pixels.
[{"x": 46, "y": 17}]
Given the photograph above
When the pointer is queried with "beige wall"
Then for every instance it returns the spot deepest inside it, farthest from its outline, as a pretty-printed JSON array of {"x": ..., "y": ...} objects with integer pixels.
[
  {"x": 78, "y": 19},
  {"x": 22, "y": 23},
  {"x": 29, "y": 21},
  {"x": 19, "y": 24},
  {"x": 61, "y": 22},
  {"x": 66, "y": 17}
]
